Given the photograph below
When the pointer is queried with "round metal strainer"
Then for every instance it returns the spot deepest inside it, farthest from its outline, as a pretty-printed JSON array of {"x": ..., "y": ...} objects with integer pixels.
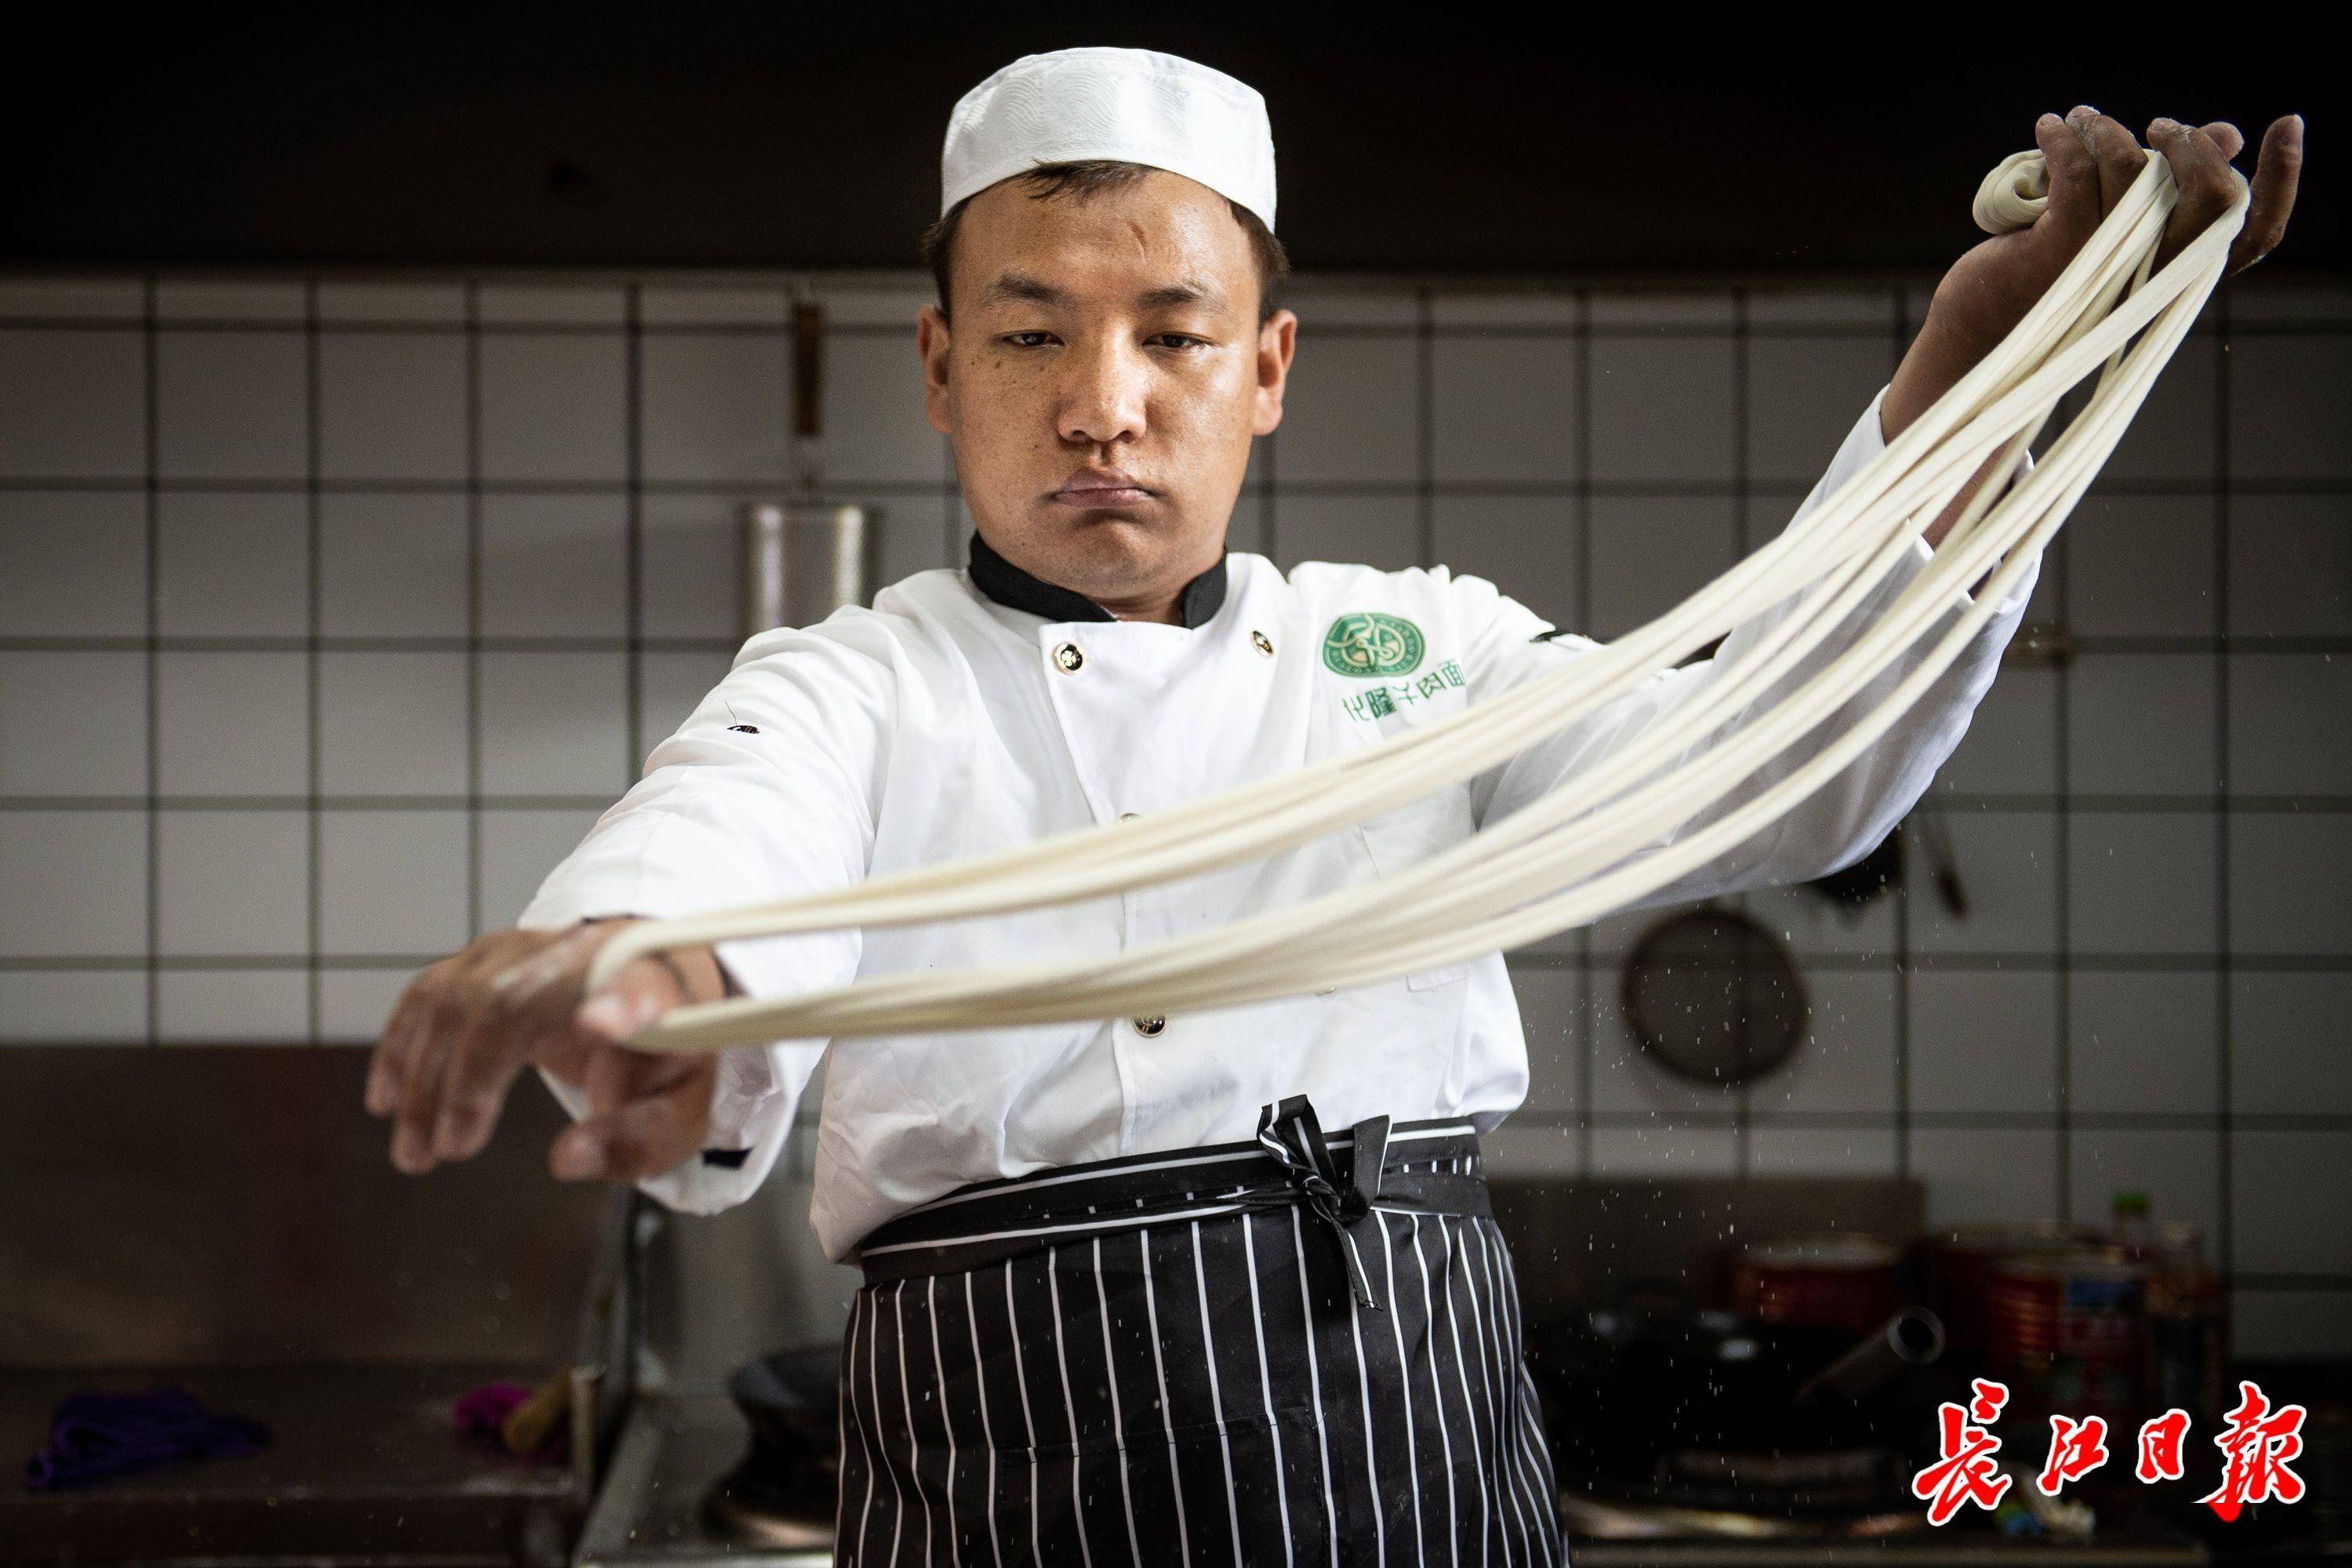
[{"x": 1714, "y": 996}]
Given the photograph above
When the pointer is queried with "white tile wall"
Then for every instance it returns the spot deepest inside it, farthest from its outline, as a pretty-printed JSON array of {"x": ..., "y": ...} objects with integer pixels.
[
  {"x": 1379, "y": 530},
  {"x": 230, "y": 405},
  {"x": 393, "y": 565},
  {"x": 1845, "y": 1065},
  {"x": 717, "y": 406},
  {"x": 73, "y": 723},
  {"x": 230, "y": 723},
  {"x": 1505, "y": 409},
  {"x": 73, "y": 563},
  {"x": 2012, "y": 744},
  {"x": 392, "y": 405},
  {"x": 415, "y": 543},
  {"x": 2292, "y": 556},
  {"x": 392, "y": 723},
  {"x": 554, "y": 407},
  {"x": 2286, "y": 729},
  {"x": 232, "y": 882},
  {"x": 1663, "y": 408},
  {"x": 1796, "y": 386},
  {"x": 231, "y": 564},
  {"x": 1525, "y": 545},
  {"x": 2141, "y": 724},
  {"x": 1650, "y": 553},
  {"x": 2284, "y": 1060},
  {"x": 2145, "y": 1043},
  {"x": 2141, "y": 883},
  {"x": 87, "y": 421},
  {"x": 554, "y": 566},
  {"x": 1984, "y": 1041},
  {"x": 1350, "y": 414},
  {"x": 2141, "y": 566}
]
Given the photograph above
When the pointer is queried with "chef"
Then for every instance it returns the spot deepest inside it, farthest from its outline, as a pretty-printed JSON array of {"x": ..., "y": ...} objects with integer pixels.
[{"x": 1220, "y": 1286}]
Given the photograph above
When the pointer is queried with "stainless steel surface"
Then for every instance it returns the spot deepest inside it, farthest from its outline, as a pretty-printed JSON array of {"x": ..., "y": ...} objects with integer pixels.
[
  {"x": 649, "y": 1514},
  {"x": 802, "y": 563},
  {"x": 729, "y": 1287}
]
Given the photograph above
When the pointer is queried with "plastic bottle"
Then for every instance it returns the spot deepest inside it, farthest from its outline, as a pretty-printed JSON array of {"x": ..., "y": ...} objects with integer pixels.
[
  {"x": 2186, "y": 1327},
  {"x": 2133, "y": 1226}
]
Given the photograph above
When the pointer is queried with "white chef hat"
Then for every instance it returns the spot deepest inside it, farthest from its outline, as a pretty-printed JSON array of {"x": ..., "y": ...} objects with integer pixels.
[{"x": 1135, "y": 105}]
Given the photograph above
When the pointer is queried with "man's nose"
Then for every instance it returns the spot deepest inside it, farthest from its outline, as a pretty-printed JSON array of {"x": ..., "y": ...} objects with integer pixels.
[{"x": 1103, "y": 395}]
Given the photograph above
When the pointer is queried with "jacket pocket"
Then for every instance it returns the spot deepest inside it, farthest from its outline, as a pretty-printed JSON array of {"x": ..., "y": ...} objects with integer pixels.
[{"x": 1411, "y": 833}]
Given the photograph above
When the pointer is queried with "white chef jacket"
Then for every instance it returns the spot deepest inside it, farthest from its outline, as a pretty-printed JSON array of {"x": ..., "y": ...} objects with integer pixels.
[{"x": 945, "y": 723}]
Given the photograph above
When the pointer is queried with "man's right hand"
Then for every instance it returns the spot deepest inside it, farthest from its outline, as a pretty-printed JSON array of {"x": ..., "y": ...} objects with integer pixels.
[{"x": 469, "y": 1025}]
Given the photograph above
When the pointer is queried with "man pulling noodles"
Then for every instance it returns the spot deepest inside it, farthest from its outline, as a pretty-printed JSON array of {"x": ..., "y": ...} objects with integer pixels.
[{"x": 1128, "y": 1294}]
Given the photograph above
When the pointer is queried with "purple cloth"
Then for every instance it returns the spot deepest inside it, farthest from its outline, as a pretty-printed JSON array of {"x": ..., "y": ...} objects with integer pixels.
[
  {"x": 97, "y": 1435},
  {"x": 482, "y": 1412}
]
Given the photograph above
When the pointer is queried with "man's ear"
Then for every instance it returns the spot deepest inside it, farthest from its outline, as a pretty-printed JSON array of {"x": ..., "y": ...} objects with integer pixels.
[
  {"x": 1277, "y": 341},
  {"x": 932, "y": 344}
]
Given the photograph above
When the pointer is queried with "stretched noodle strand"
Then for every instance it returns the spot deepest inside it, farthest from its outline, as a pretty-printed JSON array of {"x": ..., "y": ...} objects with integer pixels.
[{"x": 1643, "y": 815}]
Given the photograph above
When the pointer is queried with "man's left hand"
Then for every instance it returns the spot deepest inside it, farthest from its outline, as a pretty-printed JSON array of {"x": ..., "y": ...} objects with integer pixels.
[{"x": 2093, "y": 159}]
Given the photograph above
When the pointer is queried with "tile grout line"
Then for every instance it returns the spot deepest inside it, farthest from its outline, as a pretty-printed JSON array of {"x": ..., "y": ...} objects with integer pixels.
[
  {"x": 1900, "y": 966},
  {"x": 1424, "y": 458},
  {"x": 2225, "y": 1149},
  {"x": 152, "y": 400},
  {"x": 848, "y": 490},
  {"x": 2319, "y": 327},
  {"x": 1588, "y": 1003},
  {"x": 473, "y": 308},
  {"x": 632, "y": 683},
  {"x": 1742, "y": 1134},
  {"x": 314, "y": 910},
  {"x": 2061, "y": 949}
]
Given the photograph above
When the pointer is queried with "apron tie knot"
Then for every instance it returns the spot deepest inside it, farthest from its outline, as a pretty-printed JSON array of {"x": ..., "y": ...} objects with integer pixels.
[{"x": 1292, "y": 1134}]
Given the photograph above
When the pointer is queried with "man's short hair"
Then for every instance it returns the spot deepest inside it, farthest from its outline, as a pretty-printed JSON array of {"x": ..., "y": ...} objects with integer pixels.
[{"x": 1086, "y": 179}]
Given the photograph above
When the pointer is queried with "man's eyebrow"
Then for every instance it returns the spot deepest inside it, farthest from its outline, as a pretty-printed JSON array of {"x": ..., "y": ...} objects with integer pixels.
[
  {"x": 1019, "y": 286},
  {"x": 1188, "y": 291}
]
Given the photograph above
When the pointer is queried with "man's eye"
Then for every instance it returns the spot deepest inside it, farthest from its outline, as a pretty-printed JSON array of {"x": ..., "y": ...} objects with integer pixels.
[
  {"x": 1183, "y": 340},
  {"x": 1016, "y": 339}
]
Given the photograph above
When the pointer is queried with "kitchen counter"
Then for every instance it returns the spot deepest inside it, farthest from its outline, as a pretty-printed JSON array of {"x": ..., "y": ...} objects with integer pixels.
[
  {"x": 677, "y": 1443},
  {"x": 363, "y": 1463}
]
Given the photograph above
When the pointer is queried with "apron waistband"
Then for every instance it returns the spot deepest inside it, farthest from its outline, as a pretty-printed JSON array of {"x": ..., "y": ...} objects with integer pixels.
[{"x": 1425, "y": 1167}]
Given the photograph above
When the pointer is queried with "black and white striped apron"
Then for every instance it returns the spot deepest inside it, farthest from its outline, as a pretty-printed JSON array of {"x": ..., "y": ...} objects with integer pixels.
[{"x": 1234, "y": 1354}]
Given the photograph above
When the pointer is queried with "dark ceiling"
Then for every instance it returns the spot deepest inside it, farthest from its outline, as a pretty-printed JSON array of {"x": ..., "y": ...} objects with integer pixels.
[{"x": 756, "y": 137}]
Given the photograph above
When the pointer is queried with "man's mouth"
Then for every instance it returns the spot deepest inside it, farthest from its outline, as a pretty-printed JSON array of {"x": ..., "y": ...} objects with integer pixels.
[{"x": 1101, "y": 486}]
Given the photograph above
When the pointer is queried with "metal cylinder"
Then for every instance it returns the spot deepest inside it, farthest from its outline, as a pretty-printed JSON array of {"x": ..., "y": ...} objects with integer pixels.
[
  {"x": 802, "y": 563},
  {"x": 1912, "y": 1337}
]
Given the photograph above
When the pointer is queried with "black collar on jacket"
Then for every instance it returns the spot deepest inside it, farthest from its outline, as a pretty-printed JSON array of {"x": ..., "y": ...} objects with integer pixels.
[{"x": 1009, "y": 585}]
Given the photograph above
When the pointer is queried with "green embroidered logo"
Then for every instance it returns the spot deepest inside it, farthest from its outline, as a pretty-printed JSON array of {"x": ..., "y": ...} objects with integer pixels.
[{"x": 1370, "y": 643}]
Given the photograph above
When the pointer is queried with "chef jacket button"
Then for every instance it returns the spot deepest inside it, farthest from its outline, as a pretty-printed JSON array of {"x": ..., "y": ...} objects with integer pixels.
[
  {"x": 1068, "y": 656},
  {"x": 1128, "y": 815},
  {"x": 1147, "y": 1027},
  {"x": 1264, "y": 643}
]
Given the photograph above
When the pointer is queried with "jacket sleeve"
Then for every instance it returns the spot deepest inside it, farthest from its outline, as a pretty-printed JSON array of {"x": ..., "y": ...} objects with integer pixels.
[
  {"x": 769, "y": 789},
  {"x": 1847, "y": 816}
]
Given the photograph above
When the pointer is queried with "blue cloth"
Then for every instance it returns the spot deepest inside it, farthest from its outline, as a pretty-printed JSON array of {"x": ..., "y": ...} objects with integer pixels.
[{"x": 97, "y": 1435}]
